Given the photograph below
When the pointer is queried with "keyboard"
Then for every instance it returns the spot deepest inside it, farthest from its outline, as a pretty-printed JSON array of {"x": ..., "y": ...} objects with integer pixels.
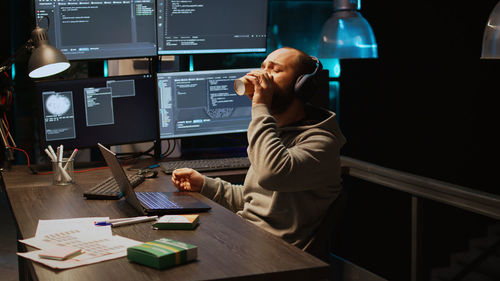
[
  {"x": 205, "y": 165},
  {"x": 156, "y": 200},
  {"x": 109, "y": 189}
]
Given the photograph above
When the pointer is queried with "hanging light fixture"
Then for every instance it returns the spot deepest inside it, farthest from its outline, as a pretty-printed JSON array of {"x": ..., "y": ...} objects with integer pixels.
[
  {"x": 347, "y": 34},
  {"x": 491, "y": 40}
]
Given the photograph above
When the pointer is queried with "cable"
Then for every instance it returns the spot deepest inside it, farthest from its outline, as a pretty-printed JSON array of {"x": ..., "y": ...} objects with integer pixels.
[
  {"x": 170, "y": 148},
  {"x": 5, "y": 123},
  {"x": 23, "y": 151},
  {"x": 133, "y": 155},
  {"x": 173, "y": 148},
  {"x": 76, "y": 171},
  {"x": 91, "y": 169},
  {"x": 166, "y": 151}
]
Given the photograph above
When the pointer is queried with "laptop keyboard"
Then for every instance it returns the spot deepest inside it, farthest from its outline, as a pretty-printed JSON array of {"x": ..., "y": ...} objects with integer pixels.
[
  {"x": 204, "y": 165},
  {"x": 156, "y": 200},
  {"x": 109, "y": 189}
]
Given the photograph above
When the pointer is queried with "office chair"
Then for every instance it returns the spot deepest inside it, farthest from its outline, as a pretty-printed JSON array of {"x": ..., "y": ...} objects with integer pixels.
[{"x": 320, "y": 243}]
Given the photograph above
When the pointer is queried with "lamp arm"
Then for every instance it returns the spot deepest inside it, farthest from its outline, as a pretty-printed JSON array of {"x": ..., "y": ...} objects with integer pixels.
[{"x": 28, "y": 46}]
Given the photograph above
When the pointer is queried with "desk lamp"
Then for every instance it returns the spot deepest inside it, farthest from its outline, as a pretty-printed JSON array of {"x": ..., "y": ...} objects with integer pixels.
[
  {"x": 45, "y": 59},
  {"x": 347, "y": 34},
  {"x": 491, "y": 42}
]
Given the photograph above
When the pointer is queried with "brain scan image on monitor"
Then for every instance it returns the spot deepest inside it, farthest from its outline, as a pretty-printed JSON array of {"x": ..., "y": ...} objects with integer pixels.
[
  {"x": 58, "y": 115},
  {"x": 57, "y": 104}
]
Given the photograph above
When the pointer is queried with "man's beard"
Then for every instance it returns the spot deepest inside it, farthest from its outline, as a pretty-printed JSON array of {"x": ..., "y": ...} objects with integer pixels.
[{"x": 282, "y": 98}]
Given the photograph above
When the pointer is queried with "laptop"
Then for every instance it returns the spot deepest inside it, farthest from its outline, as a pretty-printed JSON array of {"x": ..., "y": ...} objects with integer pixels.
[{"x": 151, "y": 203}]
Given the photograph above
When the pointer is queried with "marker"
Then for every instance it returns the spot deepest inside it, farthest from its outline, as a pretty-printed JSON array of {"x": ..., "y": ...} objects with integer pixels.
[
  {"x": 70, "y": 158},
  {"x": 52, "y": 152},
  {"x": 60, "y": 150},
  {"x": 50, "y": 155}
]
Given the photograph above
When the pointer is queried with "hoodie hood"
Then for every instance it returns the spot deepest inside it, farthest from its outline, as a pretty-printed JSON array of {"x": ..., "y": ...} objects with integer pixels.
[{"x": 319, "y": 118}]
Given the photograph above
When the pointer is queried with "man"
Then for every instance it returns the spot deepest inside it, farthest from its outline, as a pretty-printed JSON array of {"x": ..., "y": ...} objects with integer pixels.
[{"x": 294, "y": 151}]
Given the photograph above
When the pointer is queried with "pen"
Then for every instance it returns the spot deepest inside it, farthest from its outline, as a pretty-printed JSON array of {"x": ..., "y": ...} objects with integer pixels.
[
  {"x": 120, "y": 223},
  {"x": 107, "y": 222},
  {"x": 110, "y": 222},
  {"x": 102, "y": 223}
]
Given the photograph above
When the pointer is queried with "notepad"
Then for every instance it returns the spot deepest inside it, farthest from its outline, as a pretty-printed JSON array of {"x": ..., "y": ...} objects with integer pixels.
[
  {"x": 60, "y": 253},
  {"x": 162, "y": 253},
  {"x": 177, "y": 222}
]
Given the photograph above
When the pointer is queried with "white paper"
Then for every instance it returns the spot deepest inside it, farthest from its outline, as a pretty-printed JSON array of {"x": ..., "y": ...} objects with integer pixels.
[
  {"x": 86, "y": 240},
  {"x": 82, "y": 224},
  {"x": 95, "y": 251},
  {"x": 97, "y": 242}
]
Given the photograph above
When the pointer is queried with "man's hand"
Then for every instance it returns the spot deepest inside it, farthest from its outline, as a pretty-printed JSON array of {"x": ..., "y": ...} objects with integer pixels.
[
  {"x": 186, "y": 179},
  {"x": 263, "y": 87}
]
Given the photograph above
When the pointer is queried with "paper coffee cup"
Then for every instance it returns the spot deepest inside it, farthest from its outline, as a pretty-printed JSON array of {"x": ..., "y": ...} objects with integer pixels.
[{"x": 243, "y": 86}]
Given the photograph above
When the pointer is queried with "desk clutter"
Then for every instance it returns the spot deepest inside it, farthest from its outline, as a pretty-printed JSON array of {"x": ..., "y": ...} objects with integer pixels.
[
  {"x": 62, "y": 167},
  {"x": 97, "y": 244},
  {"x": 69, "y": 243}
]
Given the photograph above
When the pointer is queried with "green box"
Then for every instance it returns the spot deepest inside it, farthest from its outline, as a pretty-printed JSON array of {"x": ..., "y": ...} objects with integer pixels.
[{"x": 162, "y": 253}]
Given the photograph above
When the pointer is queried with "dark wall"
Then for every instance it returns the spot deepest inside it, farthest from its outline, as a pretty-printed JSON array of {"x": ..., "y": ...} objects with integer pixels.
[
  {"x": 5, "y": 32},
  {"x": 427, "y": 105}
]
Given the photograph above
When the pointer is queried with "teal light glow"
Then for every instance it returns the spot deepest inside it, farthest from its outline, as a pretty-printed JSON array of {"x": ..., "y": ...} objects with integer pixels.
[
  {"x": 275, "y": 35},
  {"x": 191, "y": 63},
  {"x": 13, "y": 71},
  {"x": 332, "y": 65},
  {"x": 106, "y": 68},
  {"x": 333, "y": 96},
  {"x": 341, "y": 24},
  {"x": 347, "y": 34}
]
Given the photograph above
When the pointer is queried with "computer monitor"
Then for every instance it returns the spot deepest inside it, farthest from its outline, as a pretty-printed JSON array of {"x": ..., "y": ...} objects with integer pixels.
[
  {"x": 111, "y": 111},
  {"x": 201, "y": 103},
  {"x": 211, "y": 26},
  {"x": 85, "y": 30}
]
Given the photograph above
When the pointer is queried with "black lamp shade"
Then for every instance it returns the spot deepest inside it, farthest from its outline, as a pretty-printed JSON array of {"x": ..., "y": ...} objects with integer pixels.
[{"x": 45, "y": 60}]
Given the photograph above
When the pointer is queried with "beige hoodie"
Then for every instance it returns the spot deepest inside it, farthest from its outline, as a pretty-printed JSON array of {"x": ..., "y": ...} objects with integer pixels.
[{"x": 294, "y": 176}]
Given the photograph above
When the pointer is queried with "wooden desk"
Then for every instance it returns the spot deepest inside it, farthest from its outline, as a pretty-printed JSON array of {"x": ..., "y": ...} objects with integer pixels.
[{"x": 228, "y": 246}]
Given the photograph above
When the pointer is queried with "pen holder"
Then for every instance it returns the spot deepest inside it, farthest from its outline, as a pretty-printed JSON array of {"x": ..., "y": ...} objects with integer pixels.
[{"x": 62, "y": 172}]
